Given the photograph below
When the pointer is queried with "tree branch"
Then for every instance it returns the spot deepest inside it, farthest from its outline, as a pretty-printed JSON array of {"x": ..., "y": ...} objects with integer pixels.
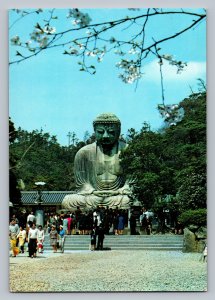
[{"x": 18, "y": 165}]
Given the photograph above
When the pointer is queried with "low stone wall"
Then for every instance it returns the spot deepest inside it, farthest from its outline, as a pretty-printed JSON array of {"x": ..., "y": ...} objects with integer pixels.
[{"x": 195, "y": 239}]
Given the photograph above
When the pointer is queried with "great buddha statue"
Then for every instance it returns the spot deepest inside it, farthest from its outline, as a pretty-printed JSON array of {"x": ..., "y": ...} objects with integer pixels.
[{"x": 98, "y": 174}]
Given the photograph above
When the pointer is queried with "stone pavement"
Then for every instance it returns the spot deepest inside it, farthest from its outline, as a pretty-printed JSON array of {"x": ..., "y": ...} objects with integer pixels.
[{"x": 108, "y": 271}]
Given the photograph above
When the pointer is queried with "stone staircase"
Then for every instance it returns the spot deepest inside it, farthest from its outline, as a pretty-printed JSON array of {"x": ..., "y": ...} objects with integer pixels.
[{"x": 168, "y": 242}]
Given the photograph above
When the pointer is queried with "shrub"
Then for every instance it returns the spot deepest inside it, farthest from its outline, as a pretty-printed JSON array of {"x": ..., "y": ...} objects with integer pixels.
[{"x": 194, "y": 217}]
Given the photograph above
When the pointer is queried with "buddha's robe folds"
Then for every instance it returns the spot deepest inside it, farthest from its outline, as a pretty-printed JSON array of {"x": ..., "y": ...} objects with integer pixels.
[{"x": 99, "y": 178}]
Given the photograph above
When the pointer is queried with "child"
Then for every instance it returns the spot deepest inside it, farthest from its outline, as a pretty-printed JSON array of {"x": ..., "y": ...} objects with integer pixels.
[
  {"x": 40, "y": 239},
  {"x": 21, "y": 236},
  {"x": 61, "y": 238}
]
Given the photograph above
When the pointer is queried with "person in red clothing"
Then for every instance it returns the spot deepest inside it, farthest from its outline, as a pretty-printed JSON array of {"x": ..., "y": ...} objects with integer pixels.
[{"x": 69, "y": 226}]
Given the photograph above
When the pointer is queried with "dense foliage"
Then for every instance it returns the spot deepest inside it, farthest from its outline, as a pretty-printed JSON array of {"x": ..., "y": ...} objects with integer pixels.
[
  {"x": 38, "y": 156},
  {"x": 195, "y": 217},
  {"x": 14, "y": 190},
  {"x": 171, "y": 162}
]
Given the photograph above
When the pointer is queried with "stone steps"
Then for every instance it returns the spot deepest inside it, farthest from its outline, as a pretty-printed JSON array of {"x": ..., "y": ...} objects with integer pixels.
[{"x": 124, "y": 242}]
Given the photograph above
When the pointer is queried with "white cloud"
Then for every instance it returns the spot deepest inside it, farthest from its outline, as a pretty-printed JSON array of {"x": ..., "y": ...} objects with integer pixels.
[{"x": 193, "y": 71}]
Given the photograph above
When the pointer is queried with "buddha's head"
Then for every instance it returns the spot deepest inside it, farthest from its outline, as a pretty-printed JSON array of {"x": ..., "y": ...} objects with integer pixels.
[{"x": 107, "y": 129}]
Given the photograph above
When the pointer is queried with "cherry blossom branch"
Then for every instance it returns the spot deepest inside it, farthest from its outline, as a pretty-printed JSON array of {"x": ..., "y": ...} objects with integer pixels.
[
  {"x": 112, "y": 24},
  {"x": 91, "y": 43}
]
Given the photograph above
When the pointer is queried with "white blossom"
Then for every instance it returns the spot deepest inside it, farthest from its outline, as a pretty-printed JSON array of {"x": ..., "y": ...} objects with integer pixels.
[
  {"x": 85, "y": 20},
  {"x": 73, "y": 51},
  {"x": 119, "y": 52},
  {"x": 43, "y": 42},
  {"x": 167, "y": 56},
  {"x": 131, "y": 71},
  {"x": 133, "y": 51},
  {"x": 81, "y": 19},
  {"x": 75, "y": 22},
  {"x": 102, "y": 54},
  {"x": 75, "y": 13},
  {"x": 89, "y": 32},
  {"x": 49, "y": 29},
  {"x": 81, "y": 46},
  {"x": 91, "y": 53},
  {"x": 171, "y": 113},
  {"x": 15, "y": 40},
  {"x": 29, "y": 42},
  {"x": 35, "y": 35},
  {"x": 124, "y": 64}
]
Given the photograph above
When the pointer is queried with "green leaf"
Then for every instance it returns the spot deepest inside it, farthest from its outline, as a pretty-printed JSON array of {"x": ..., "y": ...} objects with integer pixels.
[
  {"x": 38, "y": 27},
  {"x": 18, "y": 54}
]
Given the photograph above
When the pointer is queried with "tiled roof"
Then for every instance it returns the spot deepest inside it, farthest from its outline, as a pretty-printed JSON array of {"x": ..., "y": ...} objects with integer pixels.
[{"x": 48, "y": 197}]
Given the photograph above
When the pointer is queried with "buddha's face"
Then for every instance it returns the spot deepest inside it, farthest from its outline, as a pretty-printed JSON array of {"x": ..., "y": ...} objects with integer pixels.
[{"x": 107, "y": 134}]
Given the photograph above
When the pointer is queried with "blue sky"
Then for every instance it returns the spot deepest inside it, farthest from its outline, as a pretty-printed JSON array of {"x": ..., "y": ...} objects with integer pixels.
[{"x": 49, "y": 92}]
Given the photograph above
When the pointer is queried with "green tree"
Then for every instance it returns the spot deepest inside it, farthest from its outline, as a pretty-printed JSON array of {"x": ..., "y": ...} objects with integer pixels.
[
  {"x": 171, "y": 161},
  {"x": 143, "y": 162},
  {"x": 186, "y": 148},
  {"x": 44, "y": 160},
  {"x": 14, "y": 191}
]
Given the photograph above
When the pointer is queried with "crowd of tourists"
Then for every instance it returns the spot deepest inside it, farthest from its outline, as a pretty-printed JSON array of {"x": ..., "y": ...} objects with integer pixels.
[
  {"x": 27, "y": 235},
  {"x": 78, "y": 222}
]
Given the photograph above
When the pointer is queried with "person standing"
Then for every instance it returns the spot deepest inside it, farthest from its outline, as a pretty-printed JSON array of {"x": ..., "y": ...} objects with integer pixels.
[
  {"x": 133, "y": 223},
  {"x": 13, "y": 233},
  {"x": 78, "y": 213},
  {"x": 53, "y": 238},
  {"x": 65, "y": 224},
  {"x": 32, "y": 240},
  {"x": 61, "y": 238},
  {"x": 121, "y": 224},
  {"x": 14, "y": 217},
  {"x": 107, "y": 222},
  {"x": 96, "y": 216},
  {"x": 101, "y": 236},
  {"x": 31, "y": 218},
  {"x": 69, "y": 219},
  {"x": 93, "y": 239},
  {"x": 148, "y": 226},
  {"x": 115, "y": 223},
  {"x": 40, "y": 238},
  {"x": 178, "y": 228},
  {"x": 21, "y": 237}
]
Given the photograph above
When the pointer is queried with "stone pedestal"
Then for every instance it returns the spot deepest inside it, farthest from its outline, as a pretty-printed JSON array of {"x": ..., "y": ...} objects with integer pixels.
[{"x": 39, "y": 214}]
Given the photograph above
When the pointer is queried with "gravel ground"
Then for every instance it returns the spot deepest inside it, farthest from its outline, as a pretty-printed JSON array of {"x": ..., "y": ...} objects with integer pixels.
[{"x": 106, "y": 271}]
